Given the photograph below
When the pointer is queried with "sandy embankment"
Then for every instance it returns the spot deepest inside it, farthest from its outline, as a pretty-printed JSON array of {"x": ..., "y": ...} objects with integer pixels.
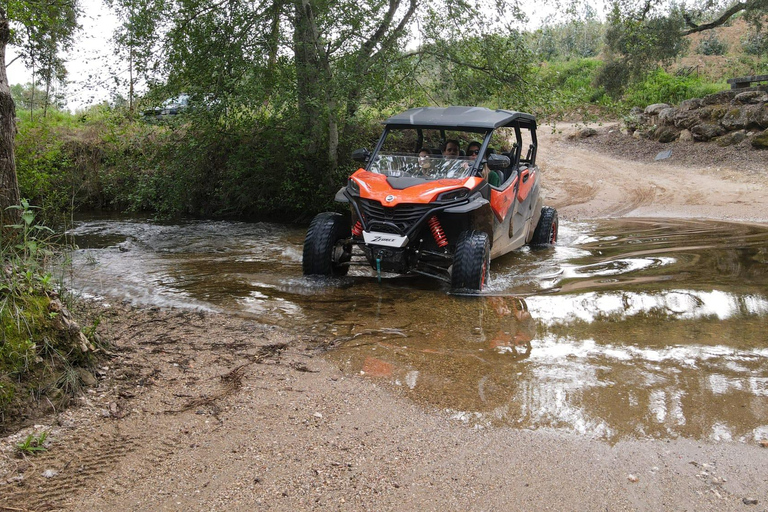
[{"x": 214, "y": 412}]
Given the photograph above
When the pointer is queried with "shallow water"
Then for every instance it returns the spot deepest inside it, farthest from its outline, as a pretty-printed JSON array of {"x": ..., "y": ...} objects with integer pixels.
[{"x": 630, "y": 328}]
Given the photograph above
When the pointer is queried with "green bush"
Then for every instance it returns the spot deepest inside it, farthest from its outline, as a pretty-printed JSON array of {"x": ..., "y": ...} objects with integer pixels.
[
  {"x": 712, "y": 45},
  {"x": 34, "y": 351},
  {"x": 661, "y": 87},
  {"x": 755, "y": 43}
]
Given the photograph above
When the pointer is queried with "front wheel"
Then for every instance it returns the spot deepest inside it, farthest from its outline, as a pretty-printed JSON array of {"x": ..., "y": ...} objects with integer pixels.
[
  {"x": 546, "y": 230},
  {"x": 471, "y": 262},
  {"x": 327, "y": 250}
]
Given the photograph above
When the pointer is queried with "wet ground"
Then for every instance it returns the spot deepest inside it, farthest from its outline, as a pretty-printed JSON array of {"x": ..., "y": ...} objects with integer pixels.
[{"x": 630, "y": 328}]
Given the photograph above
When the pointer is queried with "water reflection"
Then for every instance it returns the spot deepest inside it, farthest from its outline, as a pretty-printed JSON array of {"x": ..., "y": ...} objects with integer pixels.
[{"x": 642, "y": 328}]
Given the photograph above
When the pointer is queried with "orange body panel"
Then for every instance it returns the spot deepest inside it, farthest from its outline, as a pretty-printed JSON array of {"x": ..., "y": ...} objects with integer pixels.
[
  {"x": 502, "y": 200},
  {"x": 374, "y": 186},
  {"x": 525, "y": 187}
]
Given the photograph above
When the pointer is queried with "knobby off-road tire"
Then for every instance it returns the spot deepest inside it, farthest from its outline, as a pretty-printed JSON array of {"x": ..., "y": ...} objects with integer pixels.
[
  {"x": 471, "y": 262},
  {"x": 324, "y": 253},
  {"x": 545, "y": 233}
]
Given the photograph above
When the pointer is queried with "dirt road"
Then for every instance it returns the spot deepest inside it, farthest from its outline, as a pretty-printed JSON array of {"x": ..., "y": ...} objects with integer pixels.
[
  {"x": 697, "y": 180},
  {"x": 209, "y": 412}
]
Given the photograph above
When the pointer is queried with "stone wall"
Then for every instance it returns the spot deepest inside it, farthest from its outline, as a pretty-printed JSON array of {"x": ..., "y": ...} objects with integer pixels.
[{"x": 727, "y": 118}]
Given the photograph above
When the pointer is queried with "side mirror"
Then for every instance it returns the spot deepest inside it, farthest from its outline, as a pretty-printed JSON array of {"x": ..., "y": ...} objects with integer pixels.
[
  {"x": 497, "y": 162},
  {"x": 361, "y": 155}
]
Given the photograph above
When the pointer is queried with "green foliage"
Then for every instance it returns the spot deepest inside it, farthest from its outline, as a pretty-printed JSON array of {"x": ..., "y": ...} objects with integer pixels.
[
  {"x": 33, "y": 350},
  {"x": 476, "y": 70},
  {"x": 711, "y": 45},
  {"x": 43, "y": 167},
  {"x": 661, "y": 87},
  {"x": 33, "y": 444},
  {"x": 755, "y": 43},
  {"x": 577, "y": 38}
]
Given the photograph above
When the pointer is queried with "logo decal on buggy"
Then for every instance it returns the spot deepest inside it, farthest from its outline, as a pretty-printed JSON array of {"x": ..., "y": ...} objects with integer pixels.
[
  {"x": 385, "y": 239},
  {"x": 389, "y": 198}
]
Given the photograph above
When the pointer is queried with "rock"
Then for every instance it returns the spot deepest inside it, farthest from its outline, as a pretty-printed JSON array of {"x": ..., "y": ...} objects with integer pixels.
[
  {"x": 758, "y": 115},
  {"x": 749, "y": 501},
  {"x": 632, "y": 478},
  {"x": 713, "y": 112},
  {"x": 751, "y": 97},
  {"x": 764, "y": 443},
  {"x": 654, "y": 109},
  {"x": 735, "y": 119},
  {"x": 50, "y": 473},
  {"x": 691, "y": 104},
  {"x": 86, "y": 378},
  {"x": 707, "y": 131},
  {"x": 760, "y": 141},
  {"x": 667, "y": 116},
  {"x": 686, "y": 119},
  {"x": 718, "y": 97},
  {"x": 584, "y": 133},
  {"x": 731, "y": 139},
  {"x": 685, "y": 136},
  {"x": 666, "y": 134}
]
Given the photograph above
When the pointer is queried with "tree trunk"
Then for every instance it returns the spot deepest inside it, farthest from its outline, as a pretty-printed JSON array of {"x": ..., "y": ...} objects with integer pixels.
[
  {"x": 9, "y": 184},
  {"x": 309, "y": 80}
]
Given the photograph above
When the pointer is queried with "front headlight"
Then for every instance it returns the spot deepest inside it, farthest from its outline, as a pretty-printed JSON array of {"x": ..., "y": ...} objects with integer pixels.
[
  {"x": 453, "y": 195},
  {"x": 353, "y": 187}
]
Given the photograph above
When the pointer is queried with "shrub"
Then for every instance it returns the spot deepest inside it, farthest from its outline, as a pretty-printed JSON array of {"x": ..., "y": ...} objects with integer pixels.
[
  {"x": 712, "y": 45},
  {"x": 661, "y": 87}
]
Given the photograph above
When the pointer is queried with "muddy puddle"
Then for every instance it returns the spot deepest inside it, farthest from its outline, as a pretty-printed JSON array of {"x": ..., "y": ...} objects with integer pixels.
[{"x": 629, "y": 328}]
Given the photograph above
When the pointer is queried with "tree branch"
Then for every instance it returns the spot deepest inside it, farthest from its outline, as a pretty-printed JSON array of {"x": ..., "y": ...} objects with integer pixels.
[{"x": 730, "y": 12}]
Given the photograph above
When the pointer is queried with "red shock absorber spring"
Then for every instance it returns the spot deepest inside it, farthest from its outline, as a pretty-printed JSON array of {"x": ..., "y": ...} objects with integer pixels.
[
  {"x": 437, "y": 231},
  {"x": 357, "y": 229}
]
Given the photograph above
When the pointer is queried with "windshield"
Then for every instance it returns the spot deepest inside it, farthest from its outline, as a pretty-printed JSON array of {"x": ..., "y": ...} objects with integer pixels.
[
  {"x": 427, "y": 153},
  {"x": 431, "y": 167}
]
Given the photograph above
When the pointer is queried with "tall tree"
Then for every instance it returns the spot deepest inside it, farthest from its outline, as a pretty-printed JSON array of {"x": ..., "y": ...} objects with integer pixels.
[
  {"x": 9, "y": 184},
  {"x": 318, "y": 62},
  {"x": 39, "y": 29}
]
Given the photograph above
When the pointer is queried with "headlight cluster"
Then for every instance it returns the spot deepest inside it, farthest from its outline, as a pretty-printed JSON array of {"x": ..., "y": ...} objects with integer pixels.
[
  {"x": 353, "y": 187},
  {"x": 453, "y": 195}
]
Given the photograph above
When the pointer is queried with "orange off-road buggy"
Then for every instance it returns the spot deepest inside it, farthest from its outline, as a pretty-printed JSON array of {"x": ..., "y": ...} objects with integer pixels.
[{"x": 436, "y": 215}]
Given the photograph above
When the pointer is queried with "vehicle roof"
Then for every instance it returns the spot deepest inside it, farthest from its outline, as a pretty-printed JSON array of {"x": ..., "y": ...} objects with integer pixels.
[{"x": 470, "y": 118}]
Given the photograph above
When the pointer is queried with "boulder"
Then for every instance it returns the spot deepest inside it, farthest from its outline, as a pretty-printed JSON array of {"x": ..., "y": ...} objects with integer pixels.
[
  {"x": 667, "y": 115},
  {"x": 666, "y": 133},
  {"x": 691, "y": 104},
  {"x": 735, "y": 119},
  {"x": 584, "y": 133},
  {"x": 654, "y": 109},
  {"x": 760, "y": 141},
  {"x": 707, "y": 131},
  {"x": 687, "y": 119},
  {"x": 758, "y": 115},
  {"x": 685, "y": 136},
  {"x": 731, "y": 139},
  {"x": 751, "y": 97},
  {"x": 718, "y": 97},
  {"x": 713, "y": 112}
]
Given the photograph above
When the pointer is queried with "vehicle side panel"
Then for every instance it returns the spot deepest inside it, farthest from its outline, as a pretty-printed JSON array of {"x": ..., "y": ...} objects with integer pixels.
[{"x": 503, "y": 200}]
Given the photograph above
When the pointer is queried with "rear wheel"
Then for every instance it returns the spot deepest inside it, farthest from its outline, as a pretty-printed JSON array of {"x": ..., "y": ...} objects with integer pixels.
[
  {"x": 471, "y": 261},
  {"x": 546, "y": 230},
  {"x": 326, "y": 248}
]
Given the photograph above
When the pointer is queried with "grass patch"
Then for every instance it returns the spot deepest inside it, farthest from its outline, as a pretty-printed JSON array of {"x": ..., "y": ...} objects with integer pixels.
[{"x": 41, "y": 348}]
